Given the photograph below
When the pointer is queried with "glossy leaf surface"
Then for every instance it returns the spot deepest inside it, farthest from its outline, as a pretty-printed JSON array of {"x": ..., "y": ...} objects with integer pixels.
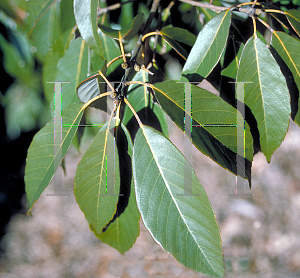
[
  {"x": 266, "y": 95},
  {"x": 173, "y": 35},
  {"x": 85, "y": 12},
  {"x": 293, "y": 17},
  {"x": 128, "y": 31},
  {"x": 184, "y": 225},
  {"x": 213, "y": 132},
  {"x": 288, "y": 49},
  {"x": 209, "y": 46},
  {"x": 40, "y": 166}
]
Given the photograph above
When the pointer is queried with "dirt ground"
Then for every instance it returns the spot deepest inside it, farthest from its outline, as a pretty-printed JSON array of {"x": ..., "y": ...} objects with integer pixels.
[{"x": 260, "y": 234}]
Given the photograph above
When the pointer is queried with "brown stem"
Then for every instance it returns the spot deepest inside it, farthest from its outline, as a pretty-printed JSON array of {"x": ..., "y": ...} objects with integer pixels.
[{"x": 204, "y": 5}]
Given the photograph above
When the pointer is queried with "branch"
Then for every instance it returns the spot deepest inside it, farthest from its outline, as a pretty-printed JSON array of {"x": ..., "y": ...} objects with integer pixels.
[
  {"x": 111, "y": 8},
  {"x": 204, "y": 5},
  {"x": 136, "y": 50}
]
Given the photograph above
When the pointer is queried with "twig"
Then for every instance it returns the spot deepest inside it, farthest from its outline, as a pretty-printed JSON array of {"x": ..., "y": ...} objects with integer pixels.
[
  {"x": 204, "y": 5},
  {"x": 112, "y": 7},
  {"x": 136, "y": 50}
]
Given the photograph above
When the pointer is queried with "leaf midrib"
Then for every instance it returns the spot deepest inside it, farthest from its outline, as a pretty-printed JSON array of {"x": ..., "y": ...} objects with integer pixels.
[{"x": 174, "y": 200}]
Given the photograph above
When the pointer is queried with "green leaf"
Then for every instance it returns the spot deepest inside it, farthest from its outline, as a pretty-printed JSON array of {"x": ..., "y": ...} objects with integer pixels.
[
  {"x": 36, "y": 9},
  {"x": 46, "y": 31},
  {"x": 140, "y": 98},
  {"x": 184, "y": 225},
  {"x": 231, "y": 70},
  {"x": 129, "y": 31},
  {"x": 209, "y": 46},
  {"x": 214, "y": 122},
  {"x": 266, "y": 95},
  {"x": 173, "y": 35},
  {"x": 111, "y": 50},
  {"x": 24, "y": 109},
  {"x": 293, "y": 17},
  {"x": 15, "y": 62},
  {"x": 85, "y": 12},
  {"x": 288, "y": 49},
  {"x": 67, "y": 15},
  {"x": 178, "y": 34},
  {"x": 90, "y": 183},
  {"x": 124, "y": 229},
  {"x": 51, "y": 60},
  {"x": 96, "y": 176},
  {"x": 92, "y": 87},
  {"x": 72, "y": 67},
  {"x": 40, "y": 166}
]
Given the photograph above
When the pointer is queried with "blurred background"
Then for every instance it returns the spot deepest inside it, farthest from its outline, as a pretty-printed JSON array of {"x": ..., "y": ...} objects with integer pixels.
[{"x": 260, "y": 233}]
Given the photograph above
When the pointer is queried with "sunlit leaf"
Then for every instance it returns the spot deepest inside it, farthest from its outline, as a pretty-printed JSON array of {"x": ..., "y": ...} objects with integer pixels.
[
  {"x": 209, "y": 46},
  {"x": 50, "y": 65},
  {"x": 72, "y": 67},
  {"x": 122, "y": 232},
  {"x": 266, "y": 95},
  {"x": 36, "y": 9},
  {"x": 40, "y": 166},
  {"x": 184, "y": 225},
  {"x": 98, "y": 183},
  {"x": 46, "y": 31},
  {"x": 85, "y": 12},
  {"x": 90, "y": 183}
]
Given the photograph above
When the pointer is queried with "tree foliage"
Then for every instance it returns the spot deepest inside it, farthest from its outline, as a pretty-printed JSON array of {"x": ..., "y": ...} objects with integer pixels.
[{"x": 119, "y": 58}]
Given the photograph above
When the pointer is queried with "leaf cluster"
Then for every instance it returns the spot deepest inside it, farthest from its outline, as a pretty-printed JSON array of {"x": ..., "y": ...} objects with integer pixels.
[{"x": 119, "y": 58}]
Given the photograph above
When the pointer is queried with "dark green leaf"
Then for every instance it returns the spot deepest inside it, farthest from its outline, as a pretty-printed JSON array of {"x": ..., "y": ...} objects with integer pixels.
[
  {"x": 215, "y": 120},
  {"x": 288, "y": 49},
  {"x": 40, "y": 166},
  {"x": 209, "y": 46},
  {"x": 232, "y": 68},
  {"x": 293, "y": 17},
  {"x": 266, "y": 95},
  {"x": 16, "y": 62},
  {"x": 140, "y": 98},
  {"x": 129, "y": 31},
  {"x": 173, "y": 35},
  {"x": 67, "y": 15},
  {"x": 178, "y": 34},
  {"x": 123, "y": 230},
  {"x": 184, "y": 226}
]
